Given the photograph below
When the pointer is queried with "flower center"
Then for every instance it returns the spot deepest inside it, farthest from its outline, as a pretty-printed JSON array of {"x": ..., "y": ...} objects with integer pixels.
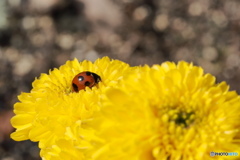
[{"x": 183, "y": 118}]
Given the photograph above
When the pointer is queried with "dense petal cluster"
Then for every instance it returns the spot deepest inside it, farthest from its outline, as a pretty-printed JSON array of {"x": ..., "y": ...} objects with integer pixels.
[
  {"x": 168, "y": 112},
  {"x": 164, "y": 112},
  {"x": 51, "y": 112}
]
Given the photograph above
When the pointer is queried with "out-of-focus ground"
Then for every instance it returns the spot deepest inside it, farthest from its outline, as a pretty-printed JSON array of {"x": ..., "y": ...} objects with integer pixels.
[{"x": 38, "y": 35}]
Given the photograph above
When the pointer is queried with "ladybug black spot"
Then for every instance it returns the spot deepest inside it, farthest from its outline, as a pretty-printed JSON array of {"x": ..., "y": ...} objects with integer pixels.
[
  {"x": 87, "y": 83},
  {"x": 88, "y": 73},
  {"x": 80, "y": 78},
  {"x": 75, "y": 87}
]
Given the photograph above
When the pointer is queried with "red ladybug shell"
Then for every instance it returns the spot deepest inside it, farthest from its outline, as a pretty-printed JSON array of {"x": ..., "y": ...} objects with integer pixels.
[{"x": 85, "y": 79}]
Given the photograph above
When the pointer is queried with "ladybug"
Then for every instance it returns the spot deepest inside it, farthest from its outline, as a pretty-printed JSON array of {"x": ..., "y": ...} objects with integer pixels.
[{"x": 85, "y": 79}]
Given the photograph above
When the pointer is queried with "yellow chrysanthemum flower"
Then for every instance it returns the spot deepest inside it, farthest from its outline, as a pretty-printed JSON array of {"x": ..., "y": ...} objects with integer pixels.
[
  {"x": 168, "y": 112},
  {"x": 52, "y": 113}
]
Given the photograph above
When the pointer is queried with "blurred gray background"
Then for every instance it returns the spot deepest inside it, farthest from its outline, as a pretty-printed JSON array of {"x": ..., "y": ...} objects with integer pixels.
[{"x": 38, "y": 35}]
